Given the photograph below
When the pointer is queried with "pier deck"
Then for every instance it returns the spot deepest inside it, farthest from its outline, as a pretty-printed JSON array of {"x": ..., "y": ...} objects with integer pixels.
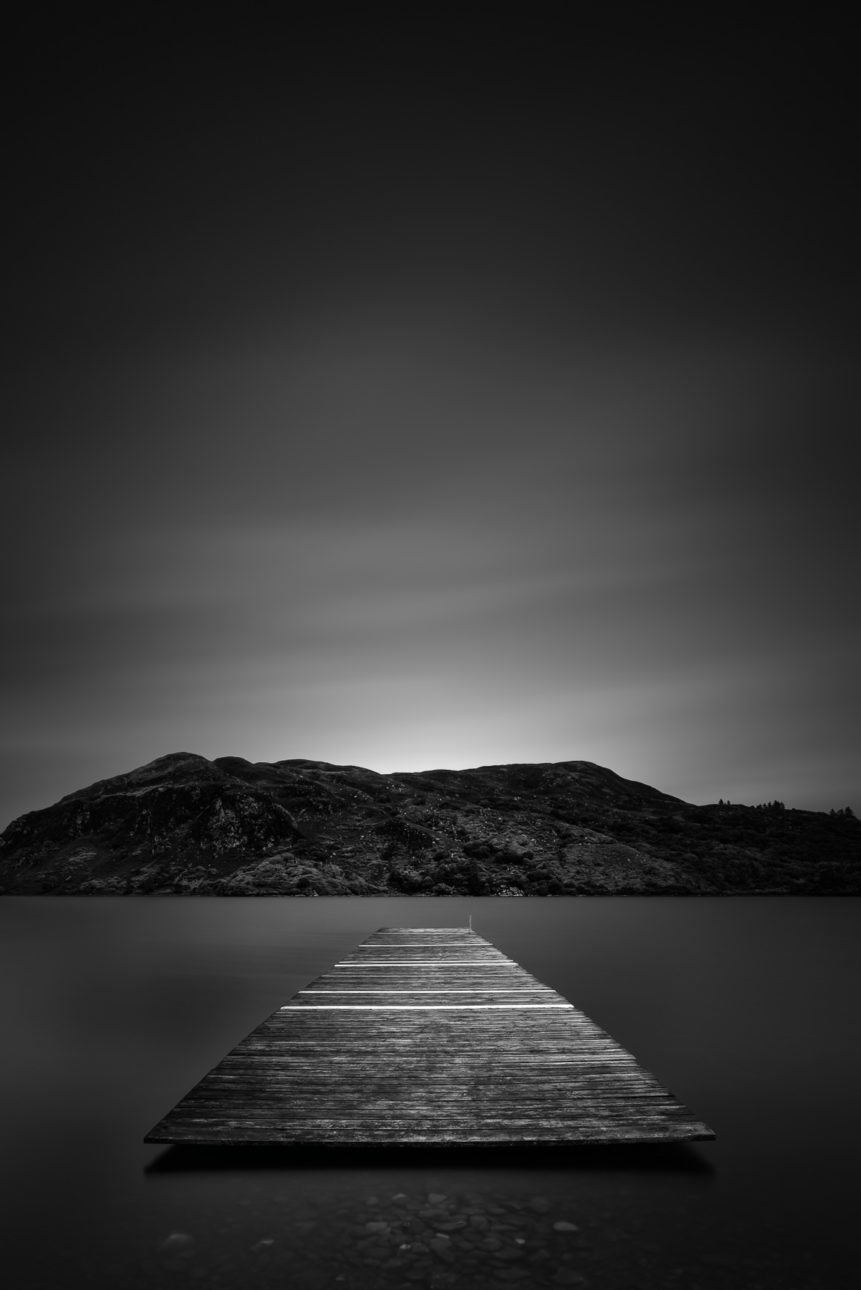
[{"x": 427, "y": 1036}]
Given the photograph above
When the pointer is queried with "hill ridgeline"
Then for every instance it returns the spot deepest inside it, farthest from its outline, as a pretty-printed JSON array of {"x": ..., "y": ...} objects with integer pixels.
[{"x": 183, "y": 824}]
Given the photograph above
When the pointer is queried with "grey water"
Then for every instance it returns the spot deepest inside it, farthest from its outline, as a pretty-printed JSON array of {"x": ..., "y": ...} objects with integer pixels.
[{"x": 746, "y": 1008}]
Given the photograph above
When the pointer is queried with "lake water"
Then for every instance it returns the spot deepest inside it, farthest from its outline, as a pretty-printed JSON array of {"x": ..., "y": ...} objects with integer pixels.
[{"x": 747, "y": 1009}]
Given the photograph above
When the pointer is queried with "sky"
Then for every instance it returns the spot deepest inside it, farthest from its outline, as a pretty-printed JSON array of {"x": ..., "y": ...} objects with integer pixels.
[{"x": 425, "y": 392}]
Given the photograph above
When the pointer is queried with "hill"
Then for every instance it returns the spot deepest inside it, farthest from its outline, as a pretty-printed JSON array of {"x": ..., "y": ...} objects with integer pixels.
[{"x": 183, "y": 824}]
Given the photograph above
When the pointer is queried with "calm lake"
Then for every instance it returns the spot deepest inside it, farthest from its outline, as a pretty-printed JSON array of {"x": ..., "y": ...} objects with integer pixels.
[{"x": 746, "y": 1008}]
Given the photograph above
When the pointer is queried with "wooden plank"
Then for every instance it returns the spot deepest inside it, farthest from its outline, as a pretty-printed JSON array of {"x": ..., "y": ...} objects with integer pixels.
[{"x": 427, "y": 1036}]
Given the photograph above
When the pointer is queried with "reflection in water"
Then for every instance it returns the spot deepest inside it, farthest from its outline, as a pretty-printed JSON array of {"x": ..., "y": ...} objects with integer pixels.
[
  {"x": 745, "y": 1008},
  {"x": 368, "y": 1217},
  {"x": 673, "y": 1157}
]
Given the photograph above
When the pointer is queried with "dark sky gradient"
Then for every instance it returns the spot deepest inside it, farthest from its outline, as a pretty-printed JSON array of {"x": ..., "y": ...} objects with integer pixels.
[{"x": 434, "y": 393}]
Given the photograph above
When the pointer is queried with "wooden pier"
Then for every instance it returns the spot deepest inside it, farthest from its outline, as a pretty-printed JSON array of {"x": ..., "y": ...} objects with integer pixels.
[{"x": 427, "y": 1036}]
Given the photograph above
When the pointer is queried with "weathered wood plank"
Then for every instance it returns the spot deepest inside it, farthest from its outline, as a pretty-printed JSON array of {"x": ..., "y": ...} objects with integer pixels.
[{"x": 428, "y": 1035}]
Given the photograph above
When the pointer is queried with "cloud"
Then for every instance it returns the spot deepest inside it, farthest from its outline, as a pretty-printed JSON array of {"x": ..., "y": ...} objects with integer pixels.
[{"x": 370, "y": 534}]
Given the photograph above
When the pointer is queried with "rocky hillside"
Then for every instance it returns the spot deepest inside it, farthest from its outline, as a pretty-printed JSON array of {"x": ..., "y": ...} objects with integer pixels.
[{"x": 229, "y": 827}]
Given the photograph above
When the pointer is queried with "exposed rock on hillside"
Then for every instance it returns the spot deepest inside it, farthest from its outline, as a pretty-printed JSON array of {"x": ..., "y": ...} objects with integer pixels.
[{"x": 229, "y": 827}]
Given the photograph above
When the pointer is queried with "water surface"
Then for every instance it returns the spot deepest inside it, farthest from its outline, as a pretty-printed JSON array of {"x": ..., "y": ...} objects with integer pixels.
[{"x": 745, "y": 1007}]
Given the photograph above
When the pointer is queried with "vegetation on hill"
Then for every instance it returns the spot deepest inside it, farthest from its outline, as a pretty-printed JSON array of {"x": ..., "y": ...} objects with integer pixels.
[{"x": 183, "y": 824}]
